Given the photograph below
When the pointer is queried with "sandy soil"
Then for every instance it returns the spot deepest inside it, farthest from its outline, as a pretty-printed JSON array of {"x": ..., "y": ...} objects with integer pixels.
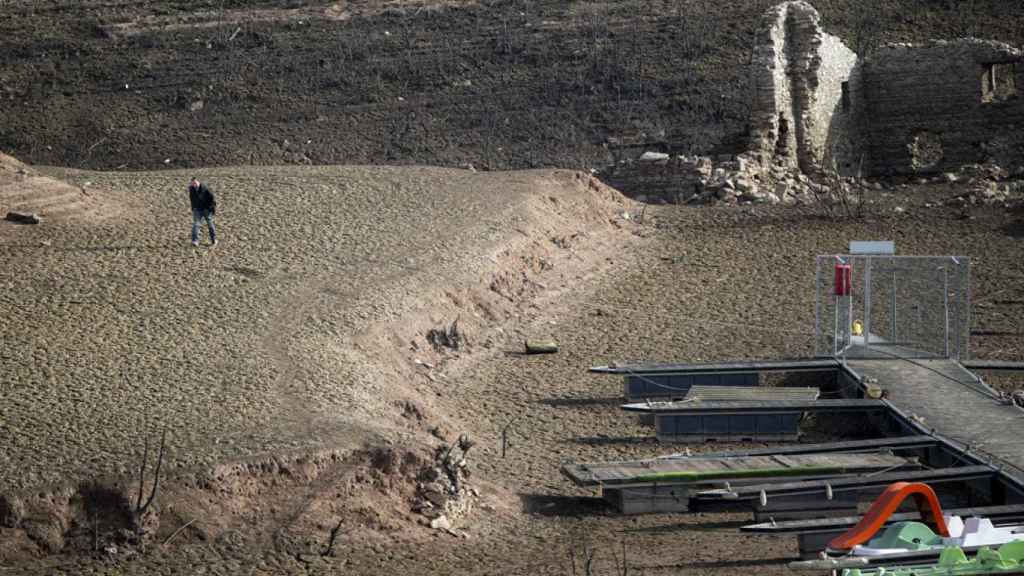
[
  {"x": 24, "y": 189},
  {"x": 303, "y": 333}
]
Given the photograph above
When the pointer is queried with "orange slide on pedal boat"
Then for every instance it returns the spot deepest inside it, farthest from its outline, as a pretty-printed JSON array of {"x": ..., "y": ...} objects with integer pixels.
[{"x": 885, "y": 505}]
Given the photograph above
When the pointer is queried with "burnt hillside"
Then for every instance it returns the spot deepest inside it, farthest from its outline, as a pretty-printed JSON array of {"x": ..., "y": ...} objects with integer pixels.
[{"x": 135, "y": 84}]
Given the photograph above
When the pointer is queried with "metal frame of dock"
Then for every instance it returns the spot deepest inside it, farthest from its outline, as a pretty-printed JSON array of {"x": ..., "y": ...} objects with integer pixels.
[
  {"x": 898, "y": 333},
  {"x": 668, "y": 485},
  {"x": 813, "y": 535}
]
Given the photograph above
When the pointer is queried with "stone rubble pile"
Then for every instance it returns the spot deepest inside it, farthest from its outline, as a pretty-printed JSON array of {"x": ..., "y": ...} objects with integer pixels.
[
  {"x": 443, "y": 494},
  {"x": 986, "y": 184},
  {"x": 743, "y": 179},
  {"x": 740, "y": 179},
  {"x": 811, "y": 134}
]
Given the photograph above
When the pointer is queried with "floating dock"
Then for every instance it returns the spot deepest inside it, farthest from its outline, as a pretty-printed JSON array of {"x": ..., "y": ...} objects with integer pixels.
[
  {"x": 892, "y": 342},
  {"x": 875, "y": 445},
  {"x": 743, "y": 420},
  {"x": 811, "y": 498},
  {"x": 813, "y": 535},
  {"x": 667, "y": 484},
  {"x": 673, "y": 381},
  {"x": 943, "y": 398}
]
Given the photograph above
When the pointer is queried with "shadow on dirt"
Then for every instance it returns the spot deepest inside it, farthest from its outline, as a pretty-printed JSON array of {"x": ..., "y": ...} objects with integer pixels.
[
  {"x": 245, "y": 272},
  {"x": 608, "y": 440},
  {"x": 711, "y": 564},
  {"x": 996, "y": 333},
  {"x": 579, "y": 402},
  {"x": 547, "y": 505},
  {"x": 702, "y": 527},
  {"x": 1014, "y": 229},
  {"x": 86, "y": 249}
]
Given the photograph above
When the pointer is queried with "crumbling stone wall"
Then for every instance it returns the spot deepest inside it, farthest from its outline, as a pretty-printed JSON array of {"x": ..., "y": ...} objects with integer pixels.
[
  {"x": 935, "y": 107},
  {"x": 798, "y": 115},
  {"x": 815, "y": 105}
]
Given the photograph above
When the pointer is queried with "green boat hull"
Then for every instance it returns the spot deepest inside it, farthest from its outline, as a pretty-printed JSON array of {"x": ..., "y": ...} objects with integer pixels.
[{"x": 1008, "y": 559}]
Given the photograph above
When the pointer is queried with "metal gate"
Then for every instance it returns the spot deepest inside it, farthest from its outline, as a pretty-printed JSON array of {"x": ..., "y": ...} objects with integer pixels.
[{"x": 893, "y": 306}]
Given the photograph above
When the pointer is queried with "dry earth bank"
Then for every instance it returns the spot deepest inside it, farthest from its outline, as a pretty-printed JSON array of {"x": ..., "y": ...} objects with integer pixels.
[
  {"x": 696, "y": 284},
  {"x": 303, "y": 332}
]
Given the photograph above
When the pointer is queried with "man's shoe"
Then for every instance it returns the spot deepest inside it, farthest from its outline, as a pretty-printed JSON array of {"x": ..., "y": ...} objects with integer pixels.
[
  {"x": 212, "y": 244},
  {"x": 195, "y": 243}
]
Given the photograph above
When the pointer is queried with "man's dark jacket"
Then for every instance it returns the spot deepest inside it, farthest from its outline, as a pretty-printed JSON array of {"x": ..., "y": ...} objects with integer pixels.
[{"x": 202, "y": 199}]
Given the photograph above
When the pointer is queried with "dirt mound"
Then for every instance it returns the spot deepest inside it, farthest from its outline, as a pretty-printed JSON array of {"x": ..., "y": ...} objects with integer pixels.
[
  {"x": 279, "y": 502},
  {"x": 318, "y": 307},
  {"x": 339, "y": 275},
  {"x": 24, "y": 189}
]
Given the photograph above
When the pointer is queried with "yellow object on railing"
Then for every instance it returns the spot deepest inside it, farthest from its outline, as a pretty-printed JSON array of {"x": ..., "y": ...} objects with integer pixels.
[{"x": 858, "y": 328}]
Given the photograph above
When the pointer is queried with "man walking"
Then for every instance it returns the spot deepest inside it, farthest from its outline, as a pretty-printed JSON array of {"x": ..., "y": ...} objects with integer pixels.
[{"x": 204, "y": 206}]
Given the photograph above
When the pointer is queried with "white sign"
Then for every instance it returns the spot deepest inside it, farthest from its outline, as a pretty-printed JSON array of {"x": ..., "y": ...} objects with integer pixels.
[{"x": 884, "y": 247}]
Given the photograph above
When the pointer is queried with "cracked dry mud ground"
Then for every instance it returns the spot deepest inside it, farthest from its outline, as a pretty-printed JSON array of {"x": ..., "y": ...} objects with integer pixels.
[
  {"x": 697, "y": 284},
  {"x": 120, "y": 324}
]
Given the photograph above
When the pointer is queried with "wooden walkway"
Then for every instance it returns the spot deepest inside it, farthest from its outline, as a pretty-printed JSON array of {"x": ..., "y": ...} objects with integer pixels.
[
  {"x": 703, "y": 470},
  {"x": 757, "y": 406},
  {"x": 942, "y": 397},
  {"x": 750, "y": 393}
]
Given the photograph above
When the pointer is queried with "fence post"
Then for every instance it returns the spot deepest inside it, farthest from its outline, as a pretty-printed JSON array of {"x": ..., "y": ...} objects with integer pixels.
[
  {"x": 945, "y": 304},
  {"x": 867, "y": 302},
  {"x": 895, "y": 337}
]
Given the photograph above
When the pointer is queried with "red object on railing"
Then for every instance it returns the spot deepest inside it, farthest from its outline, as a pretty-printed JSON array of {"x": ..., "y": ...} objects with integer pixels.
[{"x": 844, "y": 279}]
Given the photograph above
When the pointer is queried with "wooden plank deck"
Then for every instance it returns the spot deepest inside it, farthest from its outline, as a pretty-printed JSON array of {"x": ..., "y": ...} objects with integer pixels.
[
  {"x": 792, "y": 365},
  {"x": 804, "y": 487},
  {"x": 755, "y": 407},
  {"x": 1004, "y": 513},
  {"x": 750, "y": 393},
  {"x": 943, "y": 397},
  {"x": 848, "y": 446},
  {"x": 681, "y": 470}
]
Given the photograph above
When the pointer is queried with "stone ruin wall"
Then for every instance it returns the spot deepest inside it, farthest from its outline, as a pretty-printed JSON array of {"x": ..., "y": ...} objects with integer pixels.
[
  {"x": 797, "y": 113},
  {"x": 772, "y": 134},
  {"x": 836, "y": 139},
  {"x": 908, "y": 110},
  {"x": 925, "y": 109}
]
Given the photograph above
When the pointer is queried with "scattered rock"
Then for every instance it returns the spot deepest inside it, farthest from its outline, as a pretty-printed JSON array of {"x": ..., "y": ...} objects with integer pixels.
[
  {"x": 443, "y": 491},
  {"x": 744, "y": 186},
  {"x": 544, "y": 346},
  {"x": 434, "y": 496},
  {"x": 653, "y": 157},
  {"x": 441, "y": 523},
  {"x": 23, "y": 217}
]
